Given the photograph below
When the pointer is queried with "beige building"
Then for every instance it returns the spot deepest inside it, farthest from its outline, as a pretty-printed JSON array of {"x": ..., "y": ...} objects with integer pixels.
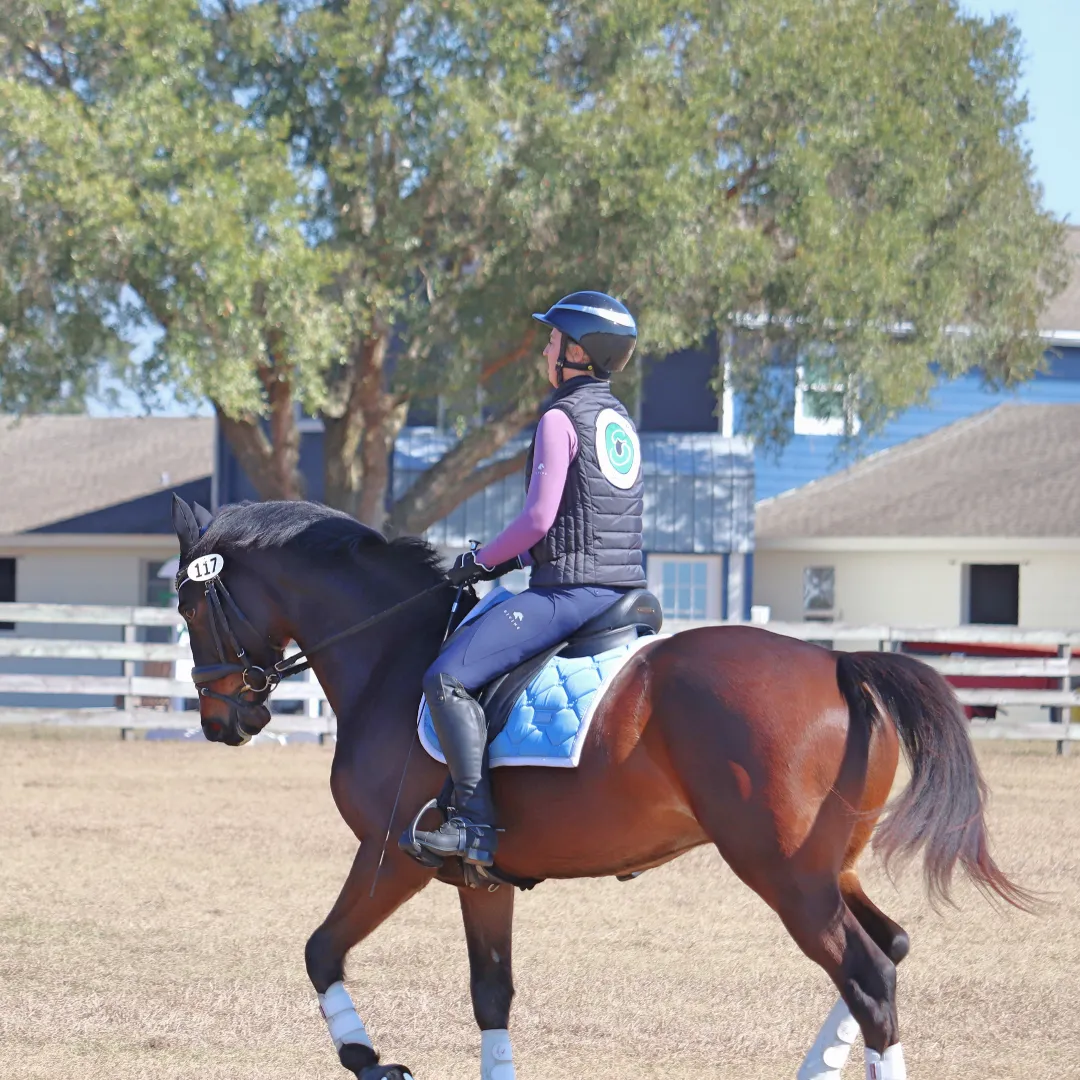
[
  {"x": 85, "y": 518},
  {"x": 978, "y": 522}
]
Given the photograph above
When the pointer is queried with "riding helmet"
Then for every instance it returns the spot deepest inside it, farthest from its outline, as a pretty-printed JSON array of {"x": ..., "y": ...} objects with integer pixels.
[{"x": 601, "y": 325}]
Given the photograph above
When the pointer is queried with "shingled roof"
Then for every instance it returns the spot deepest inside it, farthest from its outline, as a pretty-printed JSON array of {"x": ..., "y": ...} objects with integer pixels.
[
  {"x": 1012, "y": 471},
  {"x": 60, "y": 467}
]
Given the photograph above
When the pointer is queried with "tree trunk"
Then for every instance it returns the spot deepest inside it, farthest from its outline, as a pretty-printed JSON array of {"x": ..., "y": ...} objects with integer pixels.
[
  {"x": 358, "y": 442},
  {"x": 456, "y": 475},
  {"x": 273, "y": 467}
]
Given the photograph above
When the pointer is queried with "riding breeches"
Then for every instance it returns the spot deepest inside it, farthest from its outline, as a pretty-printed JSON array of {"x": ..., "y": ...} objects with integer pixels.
[{"x": 515, "y": 629}]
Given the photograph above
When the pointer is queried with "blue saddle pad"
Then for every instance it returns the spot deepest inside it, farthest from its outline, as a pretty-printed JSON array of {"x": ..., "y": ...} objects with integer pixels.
[{"x": 550, "y": 720}]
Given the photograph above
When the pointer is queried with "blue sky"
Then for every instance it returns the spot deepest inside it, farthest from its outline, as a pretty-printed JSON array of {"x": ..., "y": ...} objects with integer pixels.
[{"x": 1051, "y": 81}]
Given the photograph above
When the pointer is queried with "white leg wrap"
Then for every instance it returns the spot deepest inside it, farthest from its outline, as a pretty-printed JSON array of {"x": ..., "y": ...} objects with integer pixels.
[
  {"x": 496, "y": 1055},
  {"x": 341, "y": 1017},
  {"x": 825, "y": 1060},
  {"x": 887, "y": 1066}
]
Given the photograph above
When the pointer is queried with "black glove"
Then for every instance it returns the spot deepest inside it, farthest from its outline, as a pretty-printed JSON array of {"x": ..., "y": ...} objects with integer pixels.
[{"x": 466, "y": 570}]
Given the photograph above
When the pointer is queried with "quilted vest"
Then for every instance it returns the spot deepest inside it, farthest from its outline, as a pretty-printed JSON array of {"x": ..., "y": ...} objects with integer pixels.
[{"x": 596, "y": 537}]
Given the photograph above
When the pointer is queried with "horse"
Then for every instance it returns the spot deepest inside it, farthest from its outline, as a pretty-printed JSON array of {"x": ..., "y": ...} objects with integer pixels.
[{"x": 779, "y": 752}]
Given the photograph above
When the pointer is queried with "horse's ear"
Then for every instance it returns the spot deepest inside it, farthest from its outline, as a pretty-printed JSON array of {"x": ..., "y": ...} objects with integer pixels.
[
  {"x": 187, "y": 528},
  {"x": 202, "y": 516}
]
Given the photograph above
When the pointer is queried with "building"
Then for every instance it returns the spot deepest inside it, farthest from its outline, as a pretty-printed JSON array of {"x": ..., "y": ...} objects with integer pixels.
[
  {"x": 698, "y": 466},
  {"x": 699, "y": 492},
  {"x": 817, "y": 424},
  {"x": 977, "y": 522},
  {"x": 85, "y": 518}
]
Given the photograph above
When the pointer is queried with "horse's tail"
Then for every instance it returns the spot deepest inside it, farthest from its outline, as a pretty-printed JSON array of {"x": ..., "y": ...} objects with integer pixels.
[{"x": 942, "y": 808}]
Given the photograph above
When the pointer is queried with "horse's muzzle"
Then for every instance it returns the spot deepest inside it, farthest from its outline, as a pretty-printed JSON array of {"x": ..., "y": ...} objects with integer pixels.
[{"x": 238, "y": 729}]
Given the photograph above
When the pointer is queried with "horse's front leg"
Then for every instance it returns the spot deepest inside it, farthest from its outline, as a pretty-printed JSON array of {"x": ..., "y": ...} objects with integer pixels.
[
  {"x": 489, "y": 929},
  {"x": 356, "y": 914}
]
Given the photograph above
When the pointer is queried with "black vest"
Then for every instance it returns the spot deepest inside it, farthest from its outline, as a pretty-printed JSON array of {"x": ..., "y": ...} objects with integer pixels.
[{"x": 596, "y": 537}]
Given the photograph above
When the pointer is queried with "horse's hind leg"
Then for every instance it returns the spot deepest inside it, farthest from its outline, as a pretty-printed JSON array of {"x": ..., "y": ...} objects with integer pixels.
[
  {"x": 355, "y": 914},
  {"x": 826, "y": 929},
  {"x": 489, "y": 920},
  {"x": 890, "y": 937},
  {"x": 826, "y": 1058}
]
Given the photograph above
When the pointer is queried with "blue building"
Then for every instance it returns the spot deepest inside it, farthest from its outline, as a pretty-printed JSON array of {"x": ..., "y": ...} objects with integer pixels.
[{"x": 817, "y": 418}]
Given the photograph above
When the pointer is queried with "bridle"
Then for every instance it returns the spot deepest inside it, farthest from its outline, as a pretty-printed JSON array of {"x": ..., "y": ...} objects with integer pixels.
[{"x": 260, "y": 681}]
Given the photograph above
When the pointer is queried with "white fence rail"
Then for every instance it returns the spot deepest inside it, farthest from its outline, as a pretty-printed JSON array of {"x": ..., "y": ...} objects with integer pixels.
[{"x": 143, "y": 700}]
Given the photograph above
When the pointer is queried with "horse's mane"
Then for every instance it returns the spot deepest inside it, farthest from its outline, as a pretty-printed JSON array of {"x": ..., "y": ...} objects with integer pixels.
[{"x": 315, "y": 531}]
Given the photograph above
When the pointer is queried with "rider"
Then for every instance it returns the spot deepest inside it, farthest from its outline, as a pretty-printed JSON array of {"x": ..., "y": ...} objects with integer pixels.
[{"x": 581, "y": 532}]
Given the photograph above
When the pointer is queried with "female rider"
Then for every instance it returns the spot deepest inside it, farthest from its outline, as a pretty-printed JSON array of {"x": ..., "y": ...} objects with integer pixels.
[{"x": 581, "y": 532}]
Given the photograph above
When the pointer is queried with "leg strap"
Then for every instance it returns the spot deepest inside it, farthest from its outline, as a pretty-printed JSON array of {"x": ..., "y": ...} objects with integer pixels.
[
  {"x": 826, "y": 1058},
  {"x": 341, "y": 1017},
  {"x": 496, "y": 1055},
  {"x": 887, "y": 1066}
]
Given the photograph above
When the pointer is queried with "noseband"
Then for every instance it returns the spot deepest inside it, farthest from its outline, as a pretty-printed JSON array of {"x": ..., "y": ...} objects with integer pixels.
[{"x": 258, "y": 681}]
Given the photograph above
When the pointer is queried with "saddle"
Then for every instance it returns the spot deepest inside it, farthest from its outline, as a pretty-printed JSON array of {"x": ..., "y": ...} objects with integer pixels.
[
  {"x": 614, "y": 630},
  {"x": 633, "y": 614}
]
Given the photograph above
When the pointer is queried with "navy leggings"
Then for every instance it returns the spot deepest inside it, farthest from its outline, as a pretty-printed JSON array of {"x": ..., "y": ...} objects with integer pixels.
[{"x": 515, "y": 629}]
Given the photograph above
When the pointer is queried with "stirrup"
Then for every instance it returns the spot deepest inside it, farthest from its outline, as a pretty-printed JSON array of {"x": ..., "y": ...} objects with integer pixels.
[
  {"x": 473, "y": 843},
  {"x": 412, "y": 847}
]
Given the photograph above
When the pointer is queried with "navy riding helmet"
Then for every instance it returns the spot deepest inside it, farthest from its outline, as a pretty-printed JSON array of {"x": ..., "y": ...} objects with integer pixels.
[{"x": 601, "y": 325}]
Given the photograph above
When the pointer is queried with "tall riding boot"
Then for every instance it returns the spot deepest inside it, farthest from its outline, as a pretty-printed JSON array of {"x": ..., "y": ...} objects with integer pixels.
[{"x": 462, "y": 729}]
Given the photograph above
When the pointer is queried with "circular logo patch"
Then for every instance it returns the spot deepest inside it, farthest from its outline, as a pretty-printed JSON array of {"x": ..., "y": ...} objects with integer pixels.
[{"x": 617, "y": 449}]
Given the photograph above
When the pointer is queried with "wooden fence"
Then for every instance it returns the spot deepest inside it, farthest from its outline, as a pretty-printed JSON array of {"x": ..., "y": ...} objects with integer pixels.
[{"x": 142, "y": 700}]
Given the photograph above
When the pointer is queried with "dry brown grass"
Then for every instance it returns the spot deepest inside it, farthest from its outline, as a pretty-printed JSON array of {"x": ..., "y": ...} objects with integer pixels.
[{"x": 155, "y": 899}]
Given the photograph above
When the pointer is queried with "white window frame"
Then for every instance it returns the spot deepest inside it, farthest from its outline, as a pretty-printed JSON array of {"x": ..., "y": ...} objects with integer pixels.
[
  {"x": 654, "y": 572},
  {"x": 814, "y": 425}
]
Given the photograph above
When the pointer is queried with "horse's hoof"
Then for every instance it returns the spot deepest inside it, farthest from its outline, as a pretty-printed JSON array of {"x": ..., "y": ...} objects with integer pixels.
[{"x": 386, "y": 1072}]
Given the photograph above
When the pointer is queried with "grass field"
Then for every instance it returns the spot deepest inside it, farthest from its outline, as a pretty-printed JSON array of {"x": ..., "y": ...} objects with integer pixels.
[{"x": 155, "y": 899}]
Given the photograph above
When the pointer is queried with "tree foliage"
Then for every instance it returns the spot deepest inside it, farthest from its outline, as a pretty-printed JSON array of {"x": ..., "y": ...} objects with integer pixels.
[{"x": 353, "y": 207}]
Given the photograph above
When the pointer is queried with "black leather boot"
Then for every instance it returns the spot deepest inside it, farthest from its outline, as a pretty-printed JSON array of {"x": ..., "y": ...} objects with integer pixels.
[{"x": 462, "y": 729}]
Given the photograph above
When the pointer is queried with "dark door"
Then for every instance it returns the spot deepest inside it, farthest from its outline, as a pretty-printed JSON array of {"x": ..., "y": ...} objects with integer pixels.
[{"x": 994, "y": 593}]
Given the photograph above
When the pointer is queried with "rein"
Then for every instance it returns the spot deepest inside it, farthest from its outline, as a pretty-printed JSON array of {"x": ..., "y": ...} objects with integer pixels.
[{"x": 302, "y": 660}]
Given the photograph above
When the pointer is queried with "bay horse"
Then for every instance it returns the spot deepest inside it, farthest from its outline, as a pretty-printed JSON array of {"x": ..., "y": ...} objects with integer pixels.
[{"x": 779, "y": 752}]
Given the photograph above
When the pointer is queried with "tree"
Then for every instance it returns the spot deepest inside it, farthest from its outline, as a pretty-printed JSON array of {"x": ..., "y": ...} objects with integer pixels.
[
  {"x": 894, "y": 229},
  {"x": 354, "y": 207}
]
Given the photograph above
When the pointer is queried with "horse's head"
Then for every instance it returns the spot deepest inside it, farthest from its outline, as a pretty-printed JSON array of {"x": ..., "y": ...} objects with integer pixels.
[{"x": 234, "y": 627}]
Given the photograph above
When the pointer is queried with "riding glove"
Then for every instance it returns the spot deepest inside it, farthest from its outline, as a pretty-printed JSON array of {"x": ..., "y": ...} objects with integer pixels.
[{"x": 466, "y": 570}]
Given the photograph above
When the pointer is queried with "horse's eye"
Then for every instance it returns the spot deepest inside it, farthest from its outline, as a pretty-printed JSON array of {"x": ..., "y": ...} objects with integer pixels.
[{"x": 188, "y": 613}]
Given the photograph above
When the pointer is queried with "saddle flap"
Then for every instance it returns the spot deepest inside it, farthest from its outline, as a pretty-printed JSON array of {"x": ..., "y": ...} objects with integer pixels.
[{"x": 499, "y": 697}]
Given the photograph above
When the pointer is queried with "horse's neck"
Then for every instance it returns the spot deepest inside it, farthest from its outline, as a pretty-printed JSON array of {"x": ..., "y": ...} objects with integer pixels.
[{"x": 365, "y": 673}]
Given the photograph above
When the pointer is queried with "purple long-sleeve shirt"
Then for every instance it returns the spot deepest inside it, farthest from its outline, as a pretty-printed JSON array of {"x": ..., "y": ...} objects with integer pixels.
[{"x": 556, "y": 447}]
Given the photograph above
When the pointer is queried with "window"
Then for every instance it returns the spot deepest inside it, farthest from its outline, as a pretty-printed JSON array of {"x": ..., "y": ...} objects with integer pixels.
[
  {"x": 158, "y": 584},
  {"x": 688, "y": 586},
  {"x": 158, "y": 592},
  {"x": 993, "y": 593},
  {"x": 823, "y": 406},
  {"x": 7, "y": 587},
  {"x": 819, "y": 593}
]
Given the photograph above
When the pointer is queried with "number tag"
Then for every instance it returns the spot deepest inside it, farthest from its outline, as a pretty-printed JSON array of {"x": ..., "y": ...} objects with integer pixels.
[{"x": 205, "y": 568}]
